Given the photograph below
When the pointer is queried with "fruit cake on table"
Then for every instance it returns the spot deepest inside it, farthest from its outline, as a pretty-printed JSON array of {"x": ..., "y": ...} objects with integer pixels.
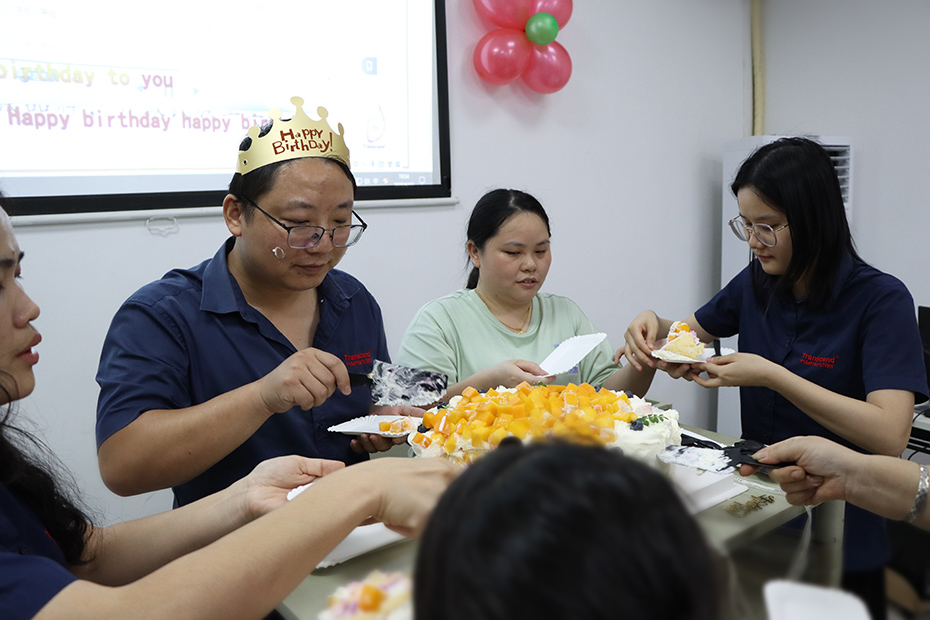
[{"x": 473, "y": 423}]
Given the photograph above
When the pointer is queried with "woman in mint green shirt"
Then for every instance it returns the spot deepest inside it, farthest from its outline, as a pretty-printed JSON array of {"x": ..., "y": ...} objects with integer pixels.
[{"x": 496, "y": 330}]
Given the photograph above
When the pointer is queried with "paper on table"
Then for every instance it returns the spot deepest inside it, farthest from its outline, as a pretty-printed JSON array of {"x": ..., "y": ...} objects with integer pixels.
[
  {"x": 570, "y": 352},
  {"x": 703, "y": 489},
  {"x": 361, "y": 540},
  {"x": 788, "y": 600}
]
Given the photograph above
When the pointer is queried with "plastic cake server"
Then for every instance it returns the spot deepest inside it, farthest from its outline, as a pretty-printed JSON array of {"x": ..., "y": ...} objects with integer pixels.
[
  {"x": 717, "y": 460},
  {"x": 392, "y": 384},
  {"x": 570, "y": 352}
]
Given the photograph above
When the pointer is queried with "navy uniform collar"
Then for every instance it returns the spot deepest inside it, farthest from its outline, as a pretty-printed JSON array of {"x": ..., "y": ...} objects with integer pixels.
[
  {"x": 222, "y": 294},
  {"x": 843, "y": 275}
]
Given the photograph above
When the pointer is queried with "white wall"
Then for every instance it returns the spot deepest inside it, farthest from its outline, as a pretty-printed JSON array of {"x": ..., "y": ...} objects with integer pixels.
[
  {"x": 626, "y": 159},
  {"x": 859, "y": 68}
]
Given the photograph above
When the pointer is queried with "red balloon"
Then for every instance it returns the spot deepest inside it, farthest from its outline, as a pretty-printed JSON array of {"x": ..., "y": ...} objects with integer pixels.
[
  {"x": 561, "y": 10},
  {"x": 504, "y": 13},
  {"x": 548, "y": 68},
  {"x": 501, "y": 55}
]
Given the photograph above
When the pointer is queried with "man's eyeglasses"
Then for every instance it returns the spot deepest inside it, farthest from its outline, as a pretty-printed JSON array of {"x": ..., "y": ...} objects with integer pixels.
[
  {"x": 763, "y": 232},
  {"x": 305, "y": 236}
]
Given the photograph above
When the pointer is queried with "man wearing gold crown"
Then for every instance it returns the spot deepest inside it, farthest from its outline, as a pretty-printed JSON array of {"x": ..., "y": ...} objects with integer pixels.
[{"x": 211, "y": 370}]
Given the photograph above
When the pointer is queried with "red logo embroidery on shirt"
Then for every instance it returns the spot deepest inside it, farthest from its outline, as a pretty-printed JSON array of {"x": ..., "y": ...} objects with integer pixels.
[
  {"x": 358, "y": 359},
  {"x": 820, "y": 362}
]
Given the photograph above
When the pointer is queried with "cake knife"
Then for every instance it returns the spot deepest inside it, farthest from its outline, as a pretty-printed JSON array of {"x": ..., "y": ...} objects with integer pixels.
[
  {"x": 717, "y": 460},
  {"x": 392, "y": 384}
]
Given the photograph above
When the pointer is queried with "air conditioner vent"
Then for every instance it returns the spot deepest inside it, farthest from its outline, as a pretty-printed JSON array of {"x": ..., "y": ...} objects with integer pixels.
[{"x": 840, "y": 154}]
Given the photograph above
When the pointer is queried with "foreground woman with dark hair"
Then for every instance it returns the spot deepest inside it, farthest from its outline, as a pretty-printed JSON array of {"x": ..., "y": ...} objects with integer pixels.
[
  {"x": 563, "y": 531},
  {"x": 214, "y": 558}
]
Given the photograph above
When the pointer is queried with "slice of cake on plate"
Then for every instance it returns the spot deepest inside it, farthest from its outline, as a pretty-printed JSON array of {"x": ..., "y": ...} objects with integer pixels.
[{"x": 683, "y": 341}]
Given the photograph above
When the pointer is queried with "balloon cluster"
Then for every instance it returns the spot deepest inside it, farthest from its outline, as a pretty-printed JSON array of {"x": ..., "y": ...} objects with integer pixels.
[{"x": 524, "y": 44}]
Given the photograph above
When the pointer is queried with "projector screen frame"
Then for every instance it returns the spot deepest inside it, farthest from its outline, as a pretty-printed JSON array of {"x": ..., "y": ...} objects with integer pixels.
[{"x": 176, "y": 202}]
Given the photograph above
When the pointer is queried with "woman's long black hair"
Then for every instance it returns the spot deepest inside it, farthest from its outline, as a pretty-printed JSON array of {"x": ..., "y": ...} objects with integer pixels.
[
  {"x": 563, "y": 531},
  {"x": 796, "y": 176},
  {"x": 25, "y": 470}
]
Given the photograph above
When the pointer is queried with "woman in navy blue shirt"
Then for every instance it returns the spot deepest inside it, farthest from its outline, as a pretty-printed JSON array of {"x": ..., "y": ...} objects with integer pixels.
[
  {"x": 828, "y": 345},
  {"x": 213, "y": 558}
]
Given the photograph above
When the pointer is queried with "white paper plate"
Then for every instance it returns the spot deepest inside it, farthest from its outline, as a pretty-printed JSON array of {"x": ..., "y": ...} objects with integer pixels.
[
  {"x": 297, "y": 491},
  {"x": 787, "y": 600},
  {"x": 361, "y": 540},
  {"x": 369, "y": 425},
  {"x": 570, "y": 352},
  {"x": 668, "y": 356}
]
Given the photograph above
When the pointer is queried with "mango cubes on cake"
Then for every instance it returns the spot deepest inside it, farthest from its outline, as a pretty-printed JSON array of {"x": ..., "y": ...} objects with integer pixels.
[{"x": 474, "y": 423}]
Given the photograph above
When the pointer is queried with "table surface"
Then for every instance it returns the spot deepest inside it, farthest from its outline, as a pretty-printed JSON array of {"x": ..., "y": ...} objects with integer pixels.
[{"x": 719, "y": 525}]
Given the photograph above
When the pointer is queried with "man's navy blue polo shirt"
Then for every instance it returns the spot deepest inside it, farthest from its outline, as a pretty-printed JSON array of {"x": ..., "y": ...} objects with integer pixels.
[
  {"x": 32, "y": 567},
  {"x": 191, "y": 336}
]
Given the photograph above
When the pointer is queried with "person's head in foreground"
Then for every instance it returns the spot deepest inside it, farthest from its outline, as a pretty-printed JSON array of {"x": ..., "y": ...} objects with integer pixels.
[
  {"x": 562, "y": 531},
  {"x": 791, "y": 212}
]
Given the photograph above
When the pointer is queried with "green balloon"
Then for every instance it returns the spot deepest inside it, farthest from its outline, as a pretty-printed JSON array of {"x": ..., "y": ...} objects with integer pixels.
[{"x": 542, "y": 28}]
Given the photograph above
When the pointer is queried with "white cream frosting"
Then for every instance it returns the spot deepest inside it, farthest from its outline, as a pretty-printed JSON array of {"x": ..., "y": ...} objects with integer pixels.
[{"x": 646, "y": 444}]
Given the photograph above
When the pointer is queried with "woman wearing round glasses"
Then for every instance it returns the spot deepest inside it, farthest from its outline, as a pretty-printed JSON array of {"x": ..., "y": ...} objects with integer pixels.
[
  {"x": 211, "y": 370},
  {"x": 828, "y": 345}
]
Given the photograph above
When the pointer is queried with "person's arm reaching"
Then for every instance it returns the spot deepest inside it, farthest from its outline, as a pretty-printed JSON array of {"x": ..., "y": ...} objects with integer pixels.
[
  {"x": 880, "y": 424},
  {"x": 124, "y": 552},
  {"x": 247, "y": 572},
  {"x": 827, "y": 471},
  {"x": 165, "y": 448}
]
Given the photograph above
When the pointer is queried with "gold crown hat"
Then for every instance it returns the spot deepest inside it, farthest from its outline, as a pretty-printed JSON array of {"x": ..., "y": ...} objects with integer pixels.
[{"x": 296, "y": 138}]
